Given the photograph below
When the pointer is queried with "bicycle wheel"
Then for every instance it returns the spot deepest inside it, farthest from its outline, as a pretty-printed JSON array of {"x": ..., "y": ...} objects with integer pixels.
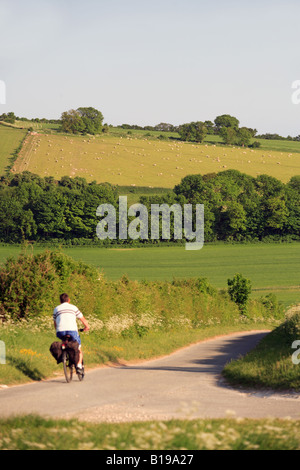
[{"x": 68, "y": 368}]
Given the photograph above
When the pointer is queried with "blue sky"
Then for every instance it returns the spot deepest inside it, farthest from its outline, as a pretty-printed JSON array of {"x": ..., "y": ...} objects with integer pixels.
[{"x": 144, "y": 62}]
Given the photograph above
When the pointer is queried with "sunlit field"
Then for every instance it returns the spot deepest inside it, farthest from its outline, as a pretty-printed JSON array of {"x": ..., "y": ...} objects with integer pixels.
[
  {"x": 143, "y": 161},
  {"x": 272, "y": 268}
]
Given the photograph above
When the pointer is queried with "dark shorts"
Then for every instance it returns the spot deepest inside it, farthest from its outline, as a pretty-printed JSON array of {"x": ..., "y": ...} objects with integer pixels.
[{"x": 73, "y": 334}]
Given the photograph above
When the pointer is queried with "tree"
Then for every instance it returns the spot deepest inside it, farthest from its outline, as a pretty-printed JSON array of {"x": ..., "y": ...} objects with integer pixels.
[
  {"x": 92, "y": 119},
  {"x": 243, "y": 136},
  {"x": 210, "y": 127},
  {"x": 165, "y": 127},
  {"x": 189, "y": 186},
  {"x": 9, "y": 118},
  {"x": 293, "y": 204},
  {"x": 232, "y": 219},
  {"x": 239, "y": 289},
  {"x": 72, "y": 122},
  {"x": 82, "y": 120},
  {"x": 228, "y": 135},
  {"x": 225, "y": 120},
  {"x": 276, "y": 213},
  {"x": 193, "y": 131}
]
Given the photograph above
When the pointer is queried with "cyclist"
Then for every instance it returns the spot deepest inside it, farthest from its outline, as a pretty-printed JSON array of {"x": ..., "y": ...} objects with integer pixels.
[{"x": 65, "y": 316}]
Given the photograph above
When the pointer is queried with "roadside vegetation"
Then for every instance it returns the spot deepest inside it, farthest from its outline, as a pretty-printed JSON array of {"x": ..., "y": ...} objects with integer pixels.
[
  {"x": 270, "y": 364},
  {"x": 35, "y": 433}
]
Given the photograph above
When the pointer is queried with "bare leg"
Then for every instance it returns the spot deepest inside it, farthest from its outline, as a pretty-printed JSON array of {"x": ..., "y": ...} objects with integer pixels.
[{"x": 80, "y": 358}]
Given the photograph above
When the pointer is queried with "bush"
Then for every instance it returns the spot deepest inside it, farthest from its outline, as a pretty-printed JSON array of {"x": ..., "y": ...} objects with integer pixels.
[
  {"x": 271, "y": 304},
  {"x": 255, "y": 144},
  {"x": 30, "y": 285},
  {"x": 292, "y": 325},
  {"x": 239, "y": 289}
]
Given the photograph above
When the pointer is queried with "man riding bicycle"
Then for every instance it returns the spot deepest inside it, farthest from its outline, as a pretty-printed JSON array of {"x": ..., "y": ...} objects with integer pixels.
[{"x": 64, "y": 317}]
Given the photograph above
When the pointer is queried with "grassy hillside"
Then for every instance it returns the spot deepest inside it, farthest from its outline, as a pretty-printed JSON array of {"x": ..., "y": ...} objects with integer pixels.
[
  {"x": 128, "y": 160},
  {"x": 10, "y": 140}
]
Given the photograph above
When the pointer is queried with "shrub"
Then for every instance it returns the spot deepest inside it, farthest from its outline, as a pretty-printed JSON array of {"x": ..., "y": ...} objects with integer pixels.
[
  {"x": 239, "y": 289},
  {"x": 255, "y": 144},
  {"x": 292, "y": 325},
  {"x": 272, "y": 305},
  {"x": 30, "y": 284}
]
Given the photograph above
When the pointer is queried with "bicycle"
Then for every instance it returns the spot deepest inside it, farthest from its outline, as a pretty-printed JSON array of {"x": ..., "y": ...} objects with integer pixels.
[{"x": 68, "y": 363}]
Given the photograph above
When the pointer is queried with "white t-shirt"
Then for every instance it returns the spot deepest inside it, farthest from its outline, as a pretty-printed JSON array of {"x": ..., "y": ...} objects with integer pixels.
[{"x": 65, "y": 316}]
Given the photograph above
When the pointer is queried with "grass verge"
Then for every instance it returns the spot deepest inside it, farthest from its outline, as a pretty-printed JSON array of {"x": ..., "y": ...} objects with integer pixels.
[
  {"x": 270, "y": 364},
  {"x": 28, "y": 357},
  {"x": 35, "y": 433}
]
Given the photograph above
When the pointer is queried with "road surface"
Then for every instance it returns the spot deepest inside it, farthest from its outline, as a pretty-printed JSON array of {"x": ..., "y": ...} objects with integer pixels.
[{"x": 185, "y": 384}]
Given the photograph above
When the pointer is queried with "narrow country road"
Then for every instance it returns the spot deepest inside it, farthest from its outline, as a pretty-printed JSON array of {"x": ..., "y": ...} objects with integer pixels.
[{"x": 185, "y": 384}]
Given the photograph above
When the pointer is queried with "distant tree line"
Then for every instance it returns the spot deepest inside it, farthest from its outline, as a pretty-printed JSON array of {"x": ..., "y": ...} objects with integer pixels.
[
  {"x": 163, "y": 127},
  {"x": 88, "y": 120},
  {"x": 237, "y": 207},
  {"x": 11, "y": 118},
  {"x": 278, "y": 137},
  {"x": 226, "y": 126}
]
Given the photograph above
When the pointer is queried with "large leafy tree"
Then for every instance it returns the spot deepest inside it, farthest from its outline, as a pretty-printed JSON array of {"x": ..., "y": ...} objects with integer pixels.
[
  {"x": 92, "y": 120},
  {"x": 228, "y": 135},
  {"x": 244, "y": 136},
  {"x": 193, "y": 131},
  {"x": 71, "y": 122},
  {"x": 82, "y": 121},
  {"x": 225, "y": 120}
]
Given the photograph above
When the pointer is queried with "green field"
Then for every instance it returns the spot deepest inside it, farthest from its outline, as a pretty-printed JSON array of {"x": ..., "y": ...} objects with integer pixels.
[
  {"x": 10, "y": 140},
  {"x": 270, "y": 267}
]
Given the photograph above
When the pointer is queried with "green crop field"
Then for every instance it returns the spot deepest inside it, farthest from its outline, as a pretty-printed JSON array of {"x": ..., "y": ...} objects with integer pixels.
[
  {"x": 141, "y": 161},
  {"x": 10, "y": 140},
  {"x": 272, "y": 268}
]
